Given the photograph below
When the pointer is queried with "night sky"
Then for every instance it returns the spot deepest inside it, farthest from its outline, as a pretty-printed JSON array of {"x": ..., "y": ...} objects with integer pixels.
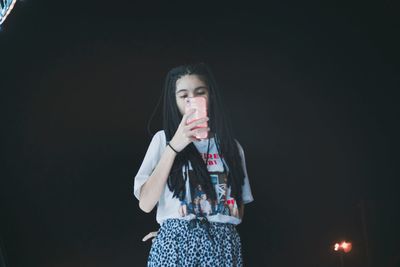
[{"x": 311, "y": 89}]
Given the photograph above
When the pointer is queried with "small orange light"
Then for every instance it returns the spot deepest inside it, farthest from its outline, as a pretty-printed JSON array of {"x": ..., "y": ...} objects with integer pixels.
[{"x": 344, "y": 246}]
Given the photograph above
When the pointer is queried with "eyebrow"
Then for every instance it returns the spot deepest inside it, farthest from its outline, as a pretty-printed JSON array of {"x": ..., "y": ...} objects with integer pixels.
[{"x": 195, "y": 89}]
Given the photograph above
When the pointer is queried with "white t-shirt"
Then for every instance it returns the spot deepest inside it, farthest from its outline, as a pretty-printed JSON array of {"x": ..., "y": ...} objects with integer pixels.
[{"x": 223, "y": 210}]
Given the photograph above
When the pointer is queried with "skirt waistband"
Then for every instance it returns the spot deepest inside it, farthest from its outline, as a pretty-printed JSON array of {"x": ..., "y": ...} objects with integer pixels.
[{"x": 199, "y": 223}]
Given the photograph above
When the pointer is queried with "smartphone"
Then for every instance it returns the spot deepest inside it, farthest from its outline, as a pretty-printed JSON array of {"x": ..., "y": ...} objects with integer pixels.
[{"x": 199, "y": 104}]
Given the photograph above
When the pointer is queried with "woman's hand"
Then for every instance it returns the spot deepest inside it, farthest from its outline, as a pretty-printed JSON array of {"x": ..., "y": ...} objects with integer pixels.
[
  {"x": 185, "y": 134},
  {"x": 150, "y": 235}
]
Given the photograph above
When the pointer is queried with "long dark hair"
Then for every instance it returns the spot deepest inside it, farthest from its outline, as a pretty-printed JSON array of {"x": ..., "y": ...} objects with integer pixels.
[{"x": 219, "y": 124}]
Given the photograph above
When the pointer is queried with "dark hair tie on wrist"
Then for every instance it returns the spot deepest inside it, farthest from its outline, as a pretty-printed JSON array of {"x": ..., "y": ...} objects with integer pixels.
[{"x": 173, "y": 148}]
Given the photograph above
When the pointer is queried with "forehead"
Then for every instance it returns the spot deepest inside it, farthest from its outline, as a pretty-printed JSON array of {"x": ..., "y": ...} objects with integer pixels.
[{"x": 189, "y": 82}]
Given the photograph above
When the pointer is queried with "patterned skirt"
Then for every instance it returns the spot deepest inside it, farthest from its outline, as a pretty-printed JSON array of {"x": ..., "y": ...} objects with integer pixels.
[{"x": 195, "y": 243}]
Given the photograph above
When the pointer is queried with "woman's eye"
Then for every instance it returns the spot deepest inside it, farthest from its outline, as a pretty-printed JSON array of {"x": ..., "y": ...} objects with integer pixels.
[
  {"x": 201, "y": 93},
  {"x": 183, "y": 96}
]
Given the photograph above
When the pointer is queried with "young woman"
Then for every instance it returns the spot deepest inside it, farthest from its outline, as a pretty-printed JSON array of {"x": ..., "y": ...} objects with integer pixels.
[{"x": 200, "y": 186}]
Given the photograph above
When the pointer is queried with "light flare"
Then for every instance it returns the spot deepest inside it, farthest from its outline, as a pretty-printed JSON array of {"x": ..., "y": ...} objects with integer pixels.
[{"x": 344, "y": 246}]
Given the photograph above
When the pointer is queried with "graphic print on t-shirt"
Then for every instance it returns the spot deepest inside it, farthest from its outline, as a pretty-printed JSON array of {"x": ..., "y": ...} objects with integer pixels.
[
  {"x": 212, "y": 158},
  {"x": 200, "y": 205}
]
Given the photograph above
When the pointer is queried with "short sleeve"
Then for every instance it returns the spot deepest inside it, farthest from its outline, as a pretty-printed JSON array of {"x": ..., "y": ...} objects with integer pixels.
[
  {"x": 247, "y": 196},
  {"x": 153, "y": 155}
]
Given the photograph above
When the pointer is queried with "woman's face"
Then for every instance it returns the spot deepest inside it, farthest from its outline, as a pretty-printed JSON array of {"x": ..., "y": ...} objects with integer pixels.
[{"x": 189, "y": 85}]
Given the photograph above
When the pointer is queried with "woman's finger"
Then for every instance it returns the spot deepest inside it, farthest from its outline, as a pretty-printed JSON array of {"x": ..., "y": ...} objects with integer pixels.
[
  {"x": 197, "y": 131},
  {"x": 192, "y": 134},
  {"x": 193, "y": 124},
  {"x": 197, "y": 122},
  {"x": 149, "y": 235},
  {"x": 192, "y": 139}
]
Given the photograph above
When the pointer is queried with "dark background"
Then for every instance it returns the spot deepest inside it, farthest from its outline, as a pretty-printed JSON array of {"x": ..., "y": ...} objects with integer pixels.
[{"x": 312, "y": 92}]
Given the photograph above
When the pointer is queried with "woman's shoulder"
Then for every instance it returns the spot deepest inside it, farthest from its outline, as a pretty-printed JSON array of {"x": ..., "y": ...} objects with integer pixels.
[
  {"x": 159, "y": 136},
  {"x": 160, "y": 132}
]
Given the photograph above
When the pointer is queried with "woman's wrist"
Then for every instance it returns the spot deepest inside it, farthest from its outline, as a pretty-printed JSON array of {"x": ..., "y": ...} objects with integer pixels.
[{"x": 173, "y": 148}]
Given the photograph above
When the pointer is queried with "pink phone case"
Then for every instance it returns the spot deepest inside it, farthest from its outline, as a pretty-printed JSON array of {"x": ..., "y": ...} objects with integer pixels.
[{"x": 198, "y": 103}]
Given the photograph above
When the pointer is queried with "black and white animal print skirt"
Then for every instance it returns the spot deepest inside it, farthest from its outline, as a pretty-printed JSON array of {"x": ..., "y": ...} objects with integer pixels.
[{"x": 195, "y": 243}]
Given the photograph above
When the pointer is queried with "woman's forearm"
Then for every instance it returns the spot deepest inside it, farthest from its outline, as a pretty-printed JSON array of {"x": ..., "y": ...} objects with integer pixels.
[{"x": 152, "y": 189}]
